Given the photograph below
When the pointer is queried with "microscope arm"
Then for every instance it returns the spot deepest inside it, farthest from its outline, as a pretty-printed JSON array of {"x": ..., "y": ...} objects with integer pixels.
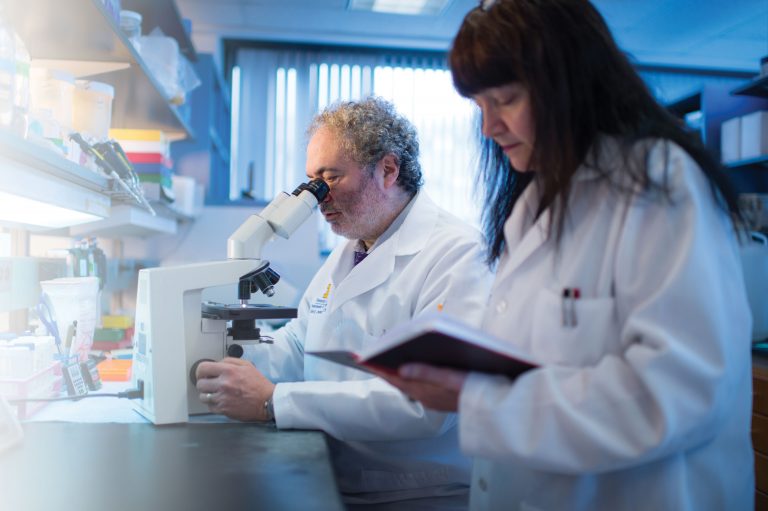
[{"x": 282, "y": 216}]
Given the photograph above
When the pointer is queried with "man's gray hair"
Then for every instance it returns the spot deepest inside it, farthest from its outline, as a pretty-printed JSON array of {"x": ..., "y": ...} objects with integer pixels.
[{"x": 370, "y": 129}]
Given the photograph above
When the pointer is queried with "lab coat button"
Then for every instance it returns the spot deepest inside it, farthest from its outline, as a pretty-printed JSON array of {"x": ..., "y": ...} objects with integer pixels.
[
  {"x": 482, "y": 484},
  {"x": 501, "y": 306}
]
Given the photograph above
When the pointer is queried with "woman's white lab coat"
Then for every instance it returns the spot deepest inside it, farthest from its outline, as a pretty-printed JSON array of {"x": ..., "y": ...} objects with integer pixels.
[
  {"x": 645, "y": 402},
  {"x": 389, "y": 448}
]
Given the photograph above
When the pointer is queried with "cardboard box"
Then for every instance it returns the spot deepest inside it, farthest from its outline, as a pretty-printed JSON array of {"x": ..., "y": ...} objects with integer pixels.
[{"x": 754, "y": 135}]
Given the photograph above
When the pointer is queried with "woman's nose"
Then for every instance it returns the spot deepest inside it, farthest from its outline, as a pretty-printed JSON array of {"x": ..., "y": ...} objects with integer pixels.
[{"x": 490, "y": 123}]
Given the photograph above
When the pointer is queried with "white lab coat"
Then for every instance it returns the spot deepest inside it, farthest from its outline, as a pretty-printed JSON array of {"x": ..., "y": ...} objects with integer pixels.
[
  {"x": 645, "y": 404},
  {"x": 389, "y": 448}
]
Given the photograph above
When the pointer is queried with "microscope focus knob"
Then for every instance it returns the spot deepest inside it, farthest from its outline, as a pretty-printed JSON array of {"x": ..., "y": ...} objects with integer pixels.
[
  {"x": 193, "y": 369},
  {"x": 235, "y": 351}
]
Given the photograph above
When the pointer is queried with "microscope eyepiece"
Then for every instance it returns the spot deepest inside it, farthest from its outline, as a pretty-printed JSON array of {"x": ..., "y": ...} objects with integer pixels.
[{"x": 316, "y": 187}]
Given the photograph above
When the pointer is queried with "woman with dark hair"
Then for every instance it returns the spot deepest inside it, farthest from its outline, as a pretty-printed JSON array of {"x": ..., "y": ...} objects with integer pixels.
[{"x": 615, "y": 240}]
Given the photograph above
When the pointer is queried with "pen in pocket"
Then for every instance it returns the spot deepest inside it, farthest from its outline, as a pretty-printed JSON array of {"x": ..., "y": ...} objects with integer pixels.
[
  {"x": 564, "y": 306},
  {"x": 575, "y": 295},
  {"x": 568, "y": 306}
]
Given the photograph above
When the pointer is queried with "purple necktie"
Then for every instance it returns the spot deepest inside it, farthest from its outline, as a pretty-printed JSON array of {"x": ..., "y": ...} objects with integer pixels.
[{"x": 359, "y": 256}]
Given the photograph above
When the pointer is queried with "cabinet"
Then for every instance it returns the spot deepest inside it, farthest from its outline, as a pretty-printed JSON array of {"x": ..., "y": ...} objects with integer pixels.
[
  {"x": 760, "y": 428},
  {"x": 716, "y": 104},
  {"x": 207, "y": 156},
  {"x": 85, "y": 40}
]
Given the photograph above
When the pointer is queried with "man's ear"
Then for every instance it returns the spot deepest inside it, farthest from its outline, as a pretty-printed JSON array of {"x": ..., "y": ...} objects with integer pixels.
[{"x": 391, "y": 170}]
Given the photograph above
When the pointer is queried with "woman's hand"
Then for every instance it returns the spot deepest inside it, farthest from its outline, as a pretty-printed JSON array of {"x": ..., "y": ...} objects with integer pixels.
[{"x": 435, "y": 387}]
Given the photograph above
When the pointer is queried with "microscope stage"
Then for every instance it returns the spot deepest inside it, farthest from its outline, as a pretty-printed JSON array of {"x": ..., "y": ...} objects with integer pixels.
[{"x": 236, "y": 311}]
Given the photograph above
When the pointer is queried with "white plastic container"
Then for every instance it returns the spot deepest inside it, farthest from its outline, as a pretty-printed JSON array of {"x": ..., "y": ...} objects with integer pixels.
[
  {"x": 92, "y": 112},
  {"x": 188, "y": 194},
  {"x": 130, "y": 24},
  {"x": 754, "y": 134},
  {"x": 52, "y": 94},
  {"x": 75, "y": 299},
  {"x": 730, "y": 140}
]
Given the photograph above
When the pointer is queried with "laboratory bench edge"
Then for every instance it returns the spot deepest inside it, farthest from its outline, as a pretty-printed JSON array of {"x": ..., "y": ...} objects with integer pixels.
[
  {"x": 191, "y": 467},
  {"x": 211, "y": 465}
]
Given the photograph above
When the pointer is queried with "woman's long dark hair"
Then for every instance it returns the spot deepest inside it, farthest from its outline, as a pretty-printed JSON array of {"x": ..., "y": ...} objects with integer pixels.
[{"x": 581, "y": 85}]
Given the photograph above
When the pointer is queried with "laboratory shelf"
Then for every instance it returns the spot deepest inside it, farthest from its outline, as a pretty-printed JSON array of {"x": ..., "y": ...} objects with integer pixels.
[
  {"x": 40, "y": 174},
  {"x": 167, "y": 210},
  {"x": 83, "y": 38},
  {"x": 165, "y": 15},
  {"x": 26, "y": 156},
  {"x": 750, "y": 162},
  {"x": 126, "y": 221},
  {"x": 757, "y": 87},
  {"x": 686, "y": 104}
]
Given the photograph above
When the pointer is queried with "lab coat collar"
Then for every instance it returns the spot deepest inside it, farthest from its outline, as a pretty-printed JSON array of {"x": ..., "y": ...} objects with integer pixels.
[
  {"x": 416, "y": 223},
  {"x": 522, "y": 238},
  {"x": 420, "y": 217}
]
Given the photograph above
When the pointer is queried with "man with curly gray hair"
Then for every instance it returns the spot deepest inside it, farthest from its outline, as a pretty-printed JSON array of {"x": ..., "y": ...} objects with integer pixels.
[
  {"x": 366, "y": 133},
  {"x": 404, "y": 257}
]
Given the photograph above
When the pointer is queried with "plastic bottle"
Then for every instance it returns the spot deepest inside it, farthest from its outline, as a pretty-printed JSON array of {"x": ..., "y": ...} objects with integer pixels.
[
  {"x": 7, "y": 71},
  {"x": 78, "y": 259},
  {"x": 97, "y": 262},
  {"x": 21, "y": 88}
]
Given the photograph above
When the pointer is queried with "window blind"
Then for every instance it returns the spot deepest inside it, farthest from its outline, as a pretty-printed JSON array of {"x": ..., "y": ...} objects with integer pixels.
[{"x": 282, "y": 89}]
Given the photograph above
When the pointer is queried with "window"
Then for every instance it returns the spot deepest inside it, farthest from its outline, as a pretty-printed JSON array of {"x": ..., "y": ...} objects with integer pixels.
[{"x": 281, "y": 89}]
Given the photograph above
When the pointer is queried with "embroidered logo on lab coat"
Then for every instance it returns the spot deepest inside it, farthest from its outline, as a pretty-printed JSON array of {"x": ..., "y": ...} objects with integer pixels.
[{"x": 320, "y": 305}]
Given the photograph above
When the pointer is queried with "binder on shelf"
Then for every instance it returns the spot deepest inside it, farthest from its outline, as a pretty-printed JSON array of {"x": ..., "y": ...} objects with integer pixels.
[{"x": 438, "y": 340}]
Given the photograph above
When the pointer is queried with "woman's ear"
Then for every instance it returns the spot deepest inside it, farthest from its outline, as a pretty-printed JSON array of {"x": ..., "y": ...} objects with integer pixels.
[{"x": 391, "y": 168}]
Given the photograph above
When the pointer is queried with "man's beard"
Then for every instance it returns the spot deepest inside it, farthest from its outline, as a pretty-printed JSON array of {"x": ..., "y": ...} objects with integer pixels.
[{"x": 362, "y": 215}]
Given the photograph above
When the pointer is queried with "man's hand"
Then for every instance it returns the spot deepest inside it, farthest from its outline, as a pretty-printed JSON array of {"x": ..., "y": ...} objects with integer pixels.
[
  {"x": 435, "y": 387},
  {"x": 235, "y": 388}
]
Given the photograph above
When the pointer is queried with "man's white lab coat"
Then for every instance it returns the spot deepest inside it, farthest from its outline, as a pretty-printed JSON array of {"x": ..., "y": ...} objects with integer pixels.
[
  {"x": 388, "y": 447},
  {"x": 645, "y": 402}
]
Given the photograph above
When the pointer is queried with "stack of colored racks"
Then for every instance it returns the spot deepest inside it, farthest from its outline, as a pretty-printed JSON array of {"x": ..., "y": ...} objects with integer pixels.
[
  {"x": 116, "y": 332},
  {"x": 150, "y": 154}
]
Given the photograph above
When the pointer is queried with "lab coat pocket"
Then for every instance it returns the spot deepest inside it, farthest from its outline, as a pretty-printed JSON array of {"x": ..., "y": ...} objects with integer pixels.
[{"x": 573, "y": 332}]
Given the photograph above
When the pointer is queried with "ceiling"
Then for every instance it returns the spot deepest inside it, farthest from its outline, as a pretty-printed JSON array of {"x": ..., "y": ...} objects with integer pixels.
[{"x": 705, "y": 34}]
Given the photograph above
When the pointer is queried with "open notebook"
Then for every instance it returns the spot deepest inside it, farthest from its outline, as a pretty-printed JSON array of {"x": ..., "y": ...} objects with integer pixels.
[{"x": 438, "y": 340}]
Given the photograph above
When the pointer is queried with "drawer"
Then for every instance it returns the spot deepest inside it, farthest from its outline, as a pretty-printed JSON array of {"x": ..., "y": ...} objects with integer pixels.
[
  {"x": 761, "y": 472},
  {"x": 760, "y": 433},
  {"x": 761, "y": 501}
]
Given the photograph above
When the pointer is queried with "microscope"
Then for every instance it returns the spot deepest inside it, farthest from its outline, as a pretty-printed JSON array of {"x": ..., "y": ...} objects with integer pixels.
[{"x": 175, "y": 330}]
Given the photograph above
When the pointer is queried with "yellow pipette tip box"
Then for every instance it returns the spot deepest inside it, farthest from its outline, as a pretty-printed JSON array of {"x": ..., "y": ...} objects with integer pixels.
[{"x": 116, "y": 321}]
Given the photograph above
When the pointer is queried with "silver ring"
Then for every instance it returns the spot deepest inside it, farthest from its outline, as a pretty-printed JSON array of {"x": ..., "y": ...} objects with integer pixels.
[{"x": 208, "y": 397}]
